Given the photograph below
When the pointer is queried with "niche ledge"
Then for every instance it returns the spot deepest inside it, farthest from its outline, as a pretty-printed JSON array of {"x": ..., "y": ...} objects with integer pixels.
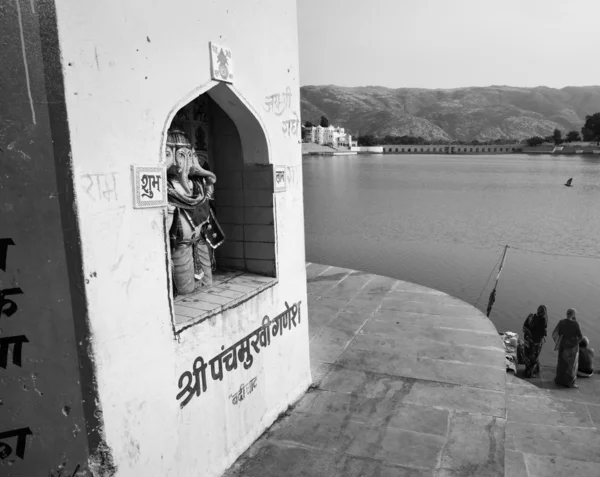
[{"x": 229, "y": 289}]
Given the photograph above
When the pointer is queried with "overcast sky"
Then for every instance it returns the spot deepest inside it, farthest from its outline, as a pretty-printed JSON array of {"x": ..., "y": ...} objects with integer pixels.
[{"x": 449, "y": 43}]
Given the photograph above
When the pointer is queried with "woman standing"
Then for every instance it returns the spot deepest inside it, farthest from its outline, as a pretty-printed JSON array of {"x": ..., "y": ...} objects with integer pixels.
[
  {"x": 534, "y": 335},
  {"x": 567, "y": 336}
]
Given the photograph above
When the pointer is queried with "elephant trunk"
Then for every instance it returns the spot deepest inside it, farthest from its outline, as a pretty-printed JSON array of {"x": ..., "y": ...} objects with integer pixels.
[
  {"x": 196, "y": 170},
  {"x": 183, "y": 177},
  {"x": 200, "y": 172}
]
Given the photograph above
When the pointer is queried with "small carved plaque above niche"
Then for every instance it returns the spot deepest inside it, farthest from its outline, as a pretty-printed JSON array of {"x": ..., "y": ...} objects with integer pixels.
[
  {"x": 149, "y": 186},
  {"x": 221, "y": 63}
]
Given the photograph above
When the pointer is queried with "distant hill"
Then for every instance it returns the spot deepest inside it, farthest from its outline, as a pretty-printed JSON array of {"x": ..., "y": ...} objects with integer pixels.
[{"x": 483, "y": 113}]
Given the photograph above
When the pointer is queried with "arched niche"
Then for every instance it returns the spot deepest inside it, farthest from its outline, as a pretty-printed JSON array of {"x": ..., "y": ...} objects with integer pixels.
[
  {"x": 230, "y": 141},
  {"x": 252, "y": 133}
]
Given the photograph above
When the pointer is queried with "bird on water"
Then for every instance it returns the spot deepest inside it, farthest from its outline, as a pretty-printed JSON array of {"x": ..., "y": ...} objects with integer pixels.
[{"x": 568, "y": 183}]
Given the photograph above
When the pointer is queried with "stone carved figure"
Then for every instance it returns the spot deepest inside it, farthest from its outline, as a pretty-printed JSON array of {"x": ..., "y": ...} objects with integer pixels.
[{"x": 193, "y": 229}]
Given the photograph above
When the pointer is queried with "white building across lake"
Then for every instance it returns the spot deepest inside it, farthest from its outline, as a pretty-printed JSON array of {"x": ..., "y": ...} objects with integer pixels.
[{"x": 328, "y": 136}]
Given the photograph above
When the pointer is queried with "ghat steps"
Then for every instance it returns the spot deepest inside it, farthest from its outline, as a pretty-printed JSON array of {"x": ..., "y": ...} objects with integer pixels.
[{"x": 409, "y": 381}]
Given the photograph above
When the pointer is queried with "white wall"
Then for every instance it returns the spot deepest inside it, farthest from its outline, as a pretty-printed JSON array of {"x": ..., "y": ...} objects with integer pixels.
[
  {"x": 128, "y": 68},
  {"x": 370, "y": 149}
]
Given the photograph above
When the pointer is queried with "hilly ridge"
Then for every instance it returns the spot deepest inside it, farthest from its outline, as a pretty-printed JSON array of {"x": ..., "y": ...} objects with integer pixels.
[{"x": 482, "y": 113}]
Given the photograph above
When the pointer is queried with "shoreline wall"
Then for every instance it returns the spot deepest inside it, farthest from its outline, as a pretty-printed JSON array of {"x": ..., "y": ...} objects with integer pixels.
[
  {"x": 450, "y": 149},
  {"x": 563, "y": 150}
]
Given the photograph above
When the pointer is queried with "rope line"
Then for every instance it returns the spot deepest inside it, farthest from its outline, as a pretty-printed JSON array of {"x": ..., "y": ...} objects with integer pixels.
[
  {"x": 531, "y": 251},
  {"x": 488, "y": 280},
  {"x": 555, "y": 254}
]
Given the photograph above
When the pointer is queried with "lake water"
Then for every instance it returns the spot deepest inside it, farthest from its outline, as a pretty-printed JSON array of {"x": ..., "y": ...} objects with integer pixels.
[{"x": 443, "y": 221}]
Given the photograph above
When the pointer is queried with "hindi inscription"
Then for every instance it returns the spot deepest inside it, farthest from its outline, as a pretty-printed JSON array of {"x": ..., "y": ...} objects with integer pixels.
[
  {"x": 240, "y": 394},
  {"x": 8, "y": 308},
  {"x": 149, "y": 186},
  {"x": 195, "y": 382},
  {"x": 6, "y": 450},
  {"x": 279, "y": 179},
  {"x": 278, "y": 103}
]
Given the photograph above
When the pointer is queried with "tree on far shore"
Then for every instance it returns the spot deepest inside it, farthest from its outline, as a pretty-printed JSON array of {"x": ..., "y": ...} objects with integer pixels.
[
  {"x": 557, "y": 137},
  {"x": 324, "y": 122},
  {"x": 534, "y": 141},
  {"x": 368, "y": 140},
  {"x": 308, "y": 124},
  {"x": 591, "y": 129},
  {"x": 573, "y": 136}
]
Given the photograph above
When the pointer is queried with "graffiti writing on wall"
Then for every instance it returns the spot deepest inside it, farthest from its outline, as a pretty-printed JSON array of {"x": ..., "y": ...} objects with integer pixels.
[
  {"x": 8, "y": 308},
  {"x": 101, "y": 186},
  {"x": 193, "y": 383},
  {"x": 245, "y": 389},
  {"x": 278, "y": 103},
  {"x": 293, "y": 175},
  {"x": 291, "y": 127}
]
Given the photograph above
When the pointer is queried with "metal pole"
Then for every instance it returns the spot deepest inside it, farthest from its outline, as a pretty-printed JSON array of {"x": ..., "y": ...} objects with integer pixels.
[
  {"x": 501, "y": 265},
  {"x": 492, "y": 299}
]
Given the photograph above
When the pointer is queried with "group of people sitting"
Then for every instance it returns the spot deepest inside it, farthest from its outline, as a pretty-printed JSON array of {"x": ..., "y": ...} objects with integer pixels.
[{"x": 575, "y": 357}]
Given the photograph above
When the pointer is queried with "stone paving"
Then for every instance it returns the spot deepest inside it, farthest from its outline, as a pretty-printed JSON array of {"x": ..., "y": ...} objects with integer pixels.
[
  {"x": 411, "y": 382},
  {"x": 552, "y": 431}
]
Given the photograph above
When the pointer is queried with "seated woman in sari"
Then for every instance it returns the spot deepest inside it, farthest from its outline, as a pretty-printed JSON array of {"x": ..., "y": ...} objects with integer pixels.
[
  {"x": 586, "y": 359},
  {"x": 534, "y": 335},
  {"x": 567, "y": 336}
]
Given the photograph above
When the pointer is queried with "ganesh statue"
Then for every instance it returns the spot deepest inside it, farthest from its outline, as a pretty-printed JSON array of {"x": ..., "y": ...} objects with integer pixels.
[{"x": 193, "y": 229}]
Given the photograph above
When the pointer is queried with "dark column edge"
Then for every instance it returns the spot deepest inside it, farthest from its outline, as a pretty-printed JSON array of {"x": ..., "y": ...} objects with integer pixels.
[{"x": 100, "y": 457}]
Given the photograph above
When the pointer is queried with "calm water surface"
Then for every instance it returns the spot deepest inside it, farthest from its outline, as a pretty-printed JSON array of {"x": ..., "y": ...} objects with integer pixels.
[{"x": 442, "y": 222}]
